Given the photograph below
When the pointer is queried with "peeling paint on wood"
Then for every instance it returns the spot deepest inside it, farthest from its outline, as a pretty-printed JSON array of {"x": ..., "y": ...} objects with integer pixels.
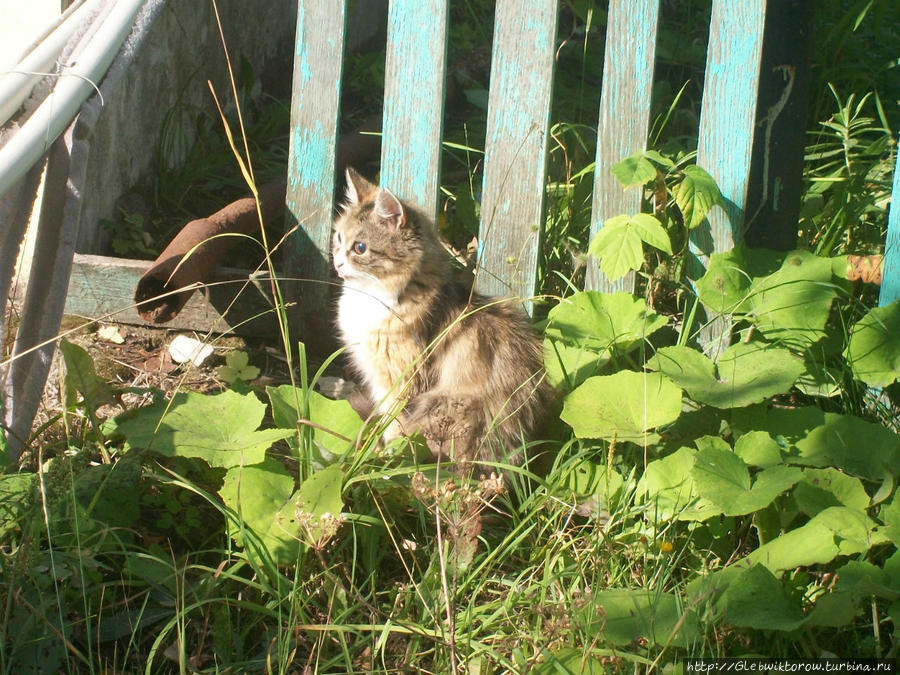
[
  {"x": 624, "y": 123},
  {"x": 415, "y": 67},
  {"x": 727, "y": 120},
  {"x": 516, "y": 146},
  {"x": 890, "y": 282},
  {"x": 728, "y": 115},
  {"x": 315, "y": 106}
]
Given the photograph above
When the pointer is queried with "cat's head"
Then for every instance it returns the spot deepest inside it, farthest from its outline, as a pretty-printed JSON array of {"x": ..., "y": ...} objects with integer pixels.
[{"x": 378, "y": 241}]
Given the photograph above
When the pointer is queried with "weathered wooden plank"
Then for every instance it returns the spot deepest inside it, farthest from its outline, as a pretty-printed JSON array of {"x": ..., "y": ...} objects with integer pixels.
[
  {"x": 516, "y": 146},
  {"x": 728, "y": 114},
  {"x": 624, "y": 123},
  {"x": 101, "y": 288},
  {"x": 727, "y": 125},
  {"x": 415, "y": 66},
  {"x": 315, "y": 106},
  {"x": 775, "y": 189},
  {"x": 890, "y": 283}
]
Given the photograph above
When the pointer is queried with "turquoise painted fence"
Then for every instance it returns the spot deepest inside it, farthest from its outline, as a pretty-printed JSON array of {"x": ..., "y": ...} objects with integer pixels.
[
  {"x": 522, "y": 72},
  {"x": 890, "y": 283}
]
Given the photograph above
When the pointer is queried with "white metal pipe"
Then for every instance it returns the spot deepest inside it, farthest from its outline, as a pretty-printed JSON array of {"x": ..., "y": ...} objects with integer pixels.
[
  {"x": 16, "y": 85},
  {"x": 51, "y": 26},
  {"x": 75, "y": 85}
]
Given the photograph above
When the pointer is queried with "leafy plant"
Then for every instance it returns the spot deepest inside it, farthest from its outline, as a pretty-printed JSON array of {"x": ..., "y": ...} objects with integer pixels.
[
  {"x": 680, "y": 194},
  {"x": 848, "y": 172},
  {"x": 129, "y": 237}
]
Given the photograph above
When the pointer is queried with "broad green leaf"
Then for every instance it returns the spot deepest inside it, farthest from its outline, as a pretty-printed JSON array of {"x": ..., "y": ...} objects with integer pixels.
[
  {"x": 852, "y": 444},
  {"x": 712, "y": 442},
  {"x": 793, "y": 303},
  {"x": 756, "y": 598},
  {"x": 618, "y": 244},
  {"x": 18, "y": 495},
  {"x": 725, "y": 284},
  {"x": 651, "y": 232},
  {"x": 696, "y": 195},
  {"x": 873, "y": 351},
  {"x": 318, "y": 505},
  {"x": 722, "y": 478},
  {"x": 81, "y": 376},
  {"x": 822, "y": 488},
  {"x": 261, "y": 497},
  {"x": 621, "y": 616},
  {"x": 837, "y": 530},
  {"x": 820, "y": 378},
  {"x": 746, "y": 373},
  {"x": 660, "y": 159},
  {"x": 602, "y": 322},
  {"x": 634, "y": 170},
  {"x": 571, "y": 365},
  {"x": 584, "y": 332},
  {"x": 757, "y": 448},
  {"x": 813, "y": 437},
  {"x": 589, "y": 478},
  {"x": 218, "y": 428},
  {"x": 618, "y": 247},
  {"x": 624, "y": 406},
  {"x": 668, "y": 490},
  {"x": 856, "y": 581},
  {"x": 890, "y": 516},
  {"x": 337, "y": 424}
]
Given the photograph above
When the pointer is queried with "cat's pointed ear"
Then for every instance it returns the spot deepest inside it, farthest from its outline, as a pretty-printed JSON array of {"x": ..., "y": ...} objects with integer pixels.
[
  {"x": 389, "y": 209},
  {"x": 358, "y": 188}
]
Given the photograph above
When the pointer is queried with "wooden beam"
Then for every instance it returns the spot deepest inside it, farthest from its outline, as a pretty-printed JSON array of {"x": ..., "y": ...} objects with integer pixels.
[
  {"x": 315, "y": 108},
  {"x": 415, "y": 67},
  {"x": 728, "y": 115},
  {"x": 101, "y": 288},
  {"x": 628, "y": 65},
  {"x": 512, "y": 207},
  {"x": 727, "y": 126},
  {"x": 775, "y": 189}
]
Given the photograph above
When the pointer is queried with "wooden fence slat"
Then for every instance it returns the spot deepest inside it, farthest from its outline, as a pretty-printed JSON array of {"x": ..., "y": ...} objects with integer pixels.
[
  {"x": 727, "y": 121},
  {"x": 728, "y": 113},
  {"x": 775, "y": 185},
  {"x": 315, "y": 106},
  {"x": 628, "y": 65},
  {"x": 415, "y": 66},
  {"x": 890, "y": 282},
  {"x": 516, "y": 146}
]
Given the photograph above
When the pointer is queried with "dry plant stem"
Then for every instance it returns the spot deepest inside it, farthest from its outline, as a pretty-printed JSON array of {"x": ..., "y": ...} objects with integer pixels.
[{"x": 448, "y": 601}]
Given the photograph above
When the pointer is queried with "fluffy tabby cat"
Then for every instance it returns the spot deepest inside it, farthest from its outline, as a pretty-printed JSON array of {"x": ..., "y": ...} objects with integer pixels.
[{"x": 462, "y": 369}]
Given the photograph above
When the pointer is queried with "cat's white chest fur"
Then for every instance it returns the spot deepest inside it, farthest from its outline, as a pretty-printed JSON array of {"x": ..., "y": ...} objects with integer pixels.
[{"x": 360, "y": 312}]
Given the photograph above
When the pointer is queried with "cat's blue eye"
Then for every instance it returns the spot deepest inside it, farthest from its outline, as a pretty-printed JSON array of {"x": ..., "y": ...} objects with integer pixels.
[{"x": 359, "y": 247}]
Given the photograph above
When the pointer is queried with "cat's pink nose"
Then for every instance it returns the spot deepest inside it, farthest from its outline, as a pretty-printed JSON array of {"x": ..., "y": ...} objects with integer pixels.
[{"x": 338, "y": 267}]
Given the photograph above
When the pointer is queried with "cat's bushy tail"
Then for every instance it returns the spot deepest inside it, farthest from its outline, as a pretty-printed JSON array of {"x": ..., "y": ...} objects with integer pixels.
[{"x": 462, "y": 429}]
